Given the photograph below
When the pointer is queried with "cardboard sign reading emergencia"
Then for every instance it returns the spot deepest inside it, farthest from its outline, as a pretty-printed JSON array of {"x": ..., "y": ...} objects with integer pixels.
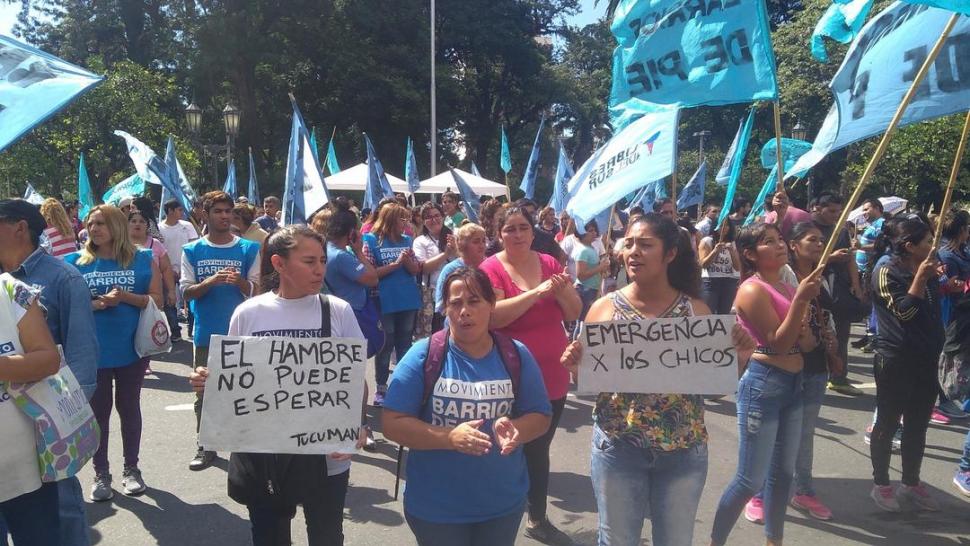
[
  {"x": 687, "y": 355},
  {"x": 283, "y": 395}
]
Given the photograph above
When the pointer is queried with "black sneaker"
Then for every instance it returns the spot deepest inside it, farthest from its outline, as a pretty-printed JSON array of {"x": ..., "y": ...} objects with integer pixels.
[
  {"x": 546, "y": 533},
  {"x": 203, "y": 459},
  {"x": 861, "y": 342}
]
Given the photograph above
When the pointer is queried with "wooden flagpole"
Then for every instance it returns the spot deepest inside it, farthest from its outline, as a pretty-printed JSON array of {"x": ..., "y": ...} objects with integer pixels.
[
  {"x": 780, "y": 180},
  {"x": 887, "y": 137},
  {"x": 508, "y": 191},
  {"x": 948, "y": 194}
]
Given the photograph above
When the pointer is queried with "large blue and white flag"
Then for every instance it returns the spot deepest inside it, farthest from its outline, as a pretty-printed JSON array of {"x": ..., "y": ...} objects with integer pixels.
[
  {"x": 33, "y": 196},
  {"x": 693, "y": 192},
  {"x": 253, "y": 194},
  {"x": 645, "y": 151},
  {"x": 841, "y": 22},
  {"x": 960, "y": 6},
  {"x": 737, "y": 164},
  {"x": 724, "y": 173},
  {"x": 84, "y": 194},
  {"x": 304, "y": 190},
  {"x": 186, "y": 195},
  {"x": 129, "y": 188},
  {"x": 471, "y": 199},
  {"x": 560, "y": 189},
  {"x": 879, "y": 69},
  {"x": 411, "y": 169},
  {"x": 674, "y": 52},
  {"x": 532, "y": 168},
  {"x": 378, "y": 187},
  {"x": 34, "y": 86},
  {"x": 229, "y": 186}
]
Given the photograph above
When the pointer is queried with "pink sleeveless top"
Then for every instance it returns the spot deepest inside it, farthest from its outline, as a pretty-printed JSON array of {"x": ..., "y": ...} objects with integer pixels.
[{"x": 781, "y": 304}]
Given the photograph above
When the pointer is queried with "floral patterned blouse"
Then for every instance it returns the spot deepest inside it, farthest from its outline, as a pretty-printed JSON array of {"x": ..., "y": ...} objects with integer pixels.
[{"x": 663, "y": 422}]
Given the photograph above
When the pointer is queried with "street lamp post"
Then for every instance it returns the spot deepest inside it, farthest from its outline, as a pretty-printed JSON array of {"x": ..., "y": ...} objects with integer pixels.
[
  {"x": 702, "y": 135},
  {"x": 230, "y": 115},
  {"x": 193, "y": 120}
]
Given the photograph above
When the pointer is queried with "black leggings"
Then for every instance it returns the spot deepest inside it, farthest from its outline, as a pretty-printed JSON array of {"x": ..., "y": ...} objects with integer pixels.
[
  {"x": 905, "y": 388},
  {"x": 537, "y": 461},
  {"x": 324, "y": 518}
]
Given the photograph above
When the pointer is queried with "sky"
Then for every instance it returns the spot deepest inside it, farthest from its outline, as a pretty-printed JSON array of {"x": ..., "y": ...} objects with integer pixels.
[{"x": 587, "y": 15}]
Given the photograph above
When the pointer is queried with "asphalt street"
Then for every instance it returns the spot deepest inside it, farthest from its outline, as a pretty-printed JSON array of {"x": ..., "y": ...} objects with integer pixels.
[{"x": 184, "y": 508}]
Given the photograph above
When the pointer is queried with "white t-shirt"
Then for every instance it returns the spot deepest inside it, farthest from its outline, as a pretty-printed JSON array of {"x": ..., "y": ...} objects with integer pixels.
[
  {"x": 569, "y": 245},
  {"x": 18, "y": 452},
  {"x": 721, "y": 265},
  {"x": 426, "y": 248},
  {"x": 704, "y": 226},
  {"x": 175, "y": 238},
  {"x": 270, "y": 315}
]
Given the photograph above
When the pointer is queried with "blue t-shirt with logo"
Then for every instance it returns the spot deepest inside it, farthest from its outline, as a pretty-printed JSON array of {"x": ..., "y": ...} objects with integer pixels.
[
  {"x": 439, "y": 289},
  {"x": 213, "y": 310},
  {"x": 343, "y": 270},
  {"x": 866, "y": 238},
  {"x": 445, "y": 486},
  {"x": 116, "y": 326},
  {"x": 398, "y": 290}
]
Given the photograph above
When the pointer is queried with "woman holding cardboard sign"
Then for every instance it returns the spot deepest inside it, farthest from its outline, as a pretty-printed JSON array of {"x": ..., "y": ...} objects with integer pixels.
[
  {"x": 293, "y": 269},
  {"x": 650, "y": 449}
]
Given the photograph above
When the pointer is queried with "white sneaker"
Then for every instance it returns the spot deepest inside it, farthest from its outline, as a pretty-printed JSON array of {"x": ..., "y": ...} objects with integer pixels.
[
  {"x": 101, "y": 489},
  {"x": 131, "y": 482}
]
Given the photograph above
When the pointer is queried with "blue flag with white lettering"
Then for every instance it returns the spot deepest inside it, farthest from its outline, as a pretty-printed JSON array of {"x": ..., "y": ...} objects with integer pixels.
[
  {"x": 560, "y": 190},
  {"x": 737, "y": 163},
  {"x": 411, "y": 169},
  {"x": 841, "y": 22},
  {"x": 532, "y": 168},
  {"x": 253, "y": 194},
  {"x": 151, "y": 167},
  {"x": 34, "y": 86},
  {"x": 689, "y": 54},
  {"x": 230, "y": 184},
  {"x": 959, "y": 6},
  {"x": 693, "y": 192},
  {"x": 473, "y": 203},
  {"x": 129, "y": 188}
]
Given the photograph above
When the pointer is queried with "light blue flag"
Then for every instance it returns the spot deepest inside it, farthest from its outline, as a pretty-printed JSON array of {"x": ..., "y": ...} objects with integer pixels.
[
  {"x": 253, "y": 194},
  {"x": 841, "y": 22},
  {"x": 378, "y": 187},
  {"x": 475, "y": 171},
  {"x": 736, "y": 166},
  {"x": 229, "y": 186},
  {"x": 641, "y": 153},
  {"x": 129, "y": 188},
  {"x": 332, "y": 165},
  {"x": 879, "y": 69},
  {"x": 560, "y": 190},
  {"x": 34, "y": 86},
  {"x": 672, "y": 52},
  {"x": 33, "y": 196},
  {"x": 758, "y": 207},
  {"x": 151, "y": 168},
  {"x": 506, "y": 159},
  {"x": 791, "y": 151},
  {"x": 661, "y": 190},
  {"x": 471, "y": 200},
  {"x": 186, "y": 195},
  {"x": 532, "y": 168},
  {"x": 313, "y": 144},
  {"x": 693, "y": 192},
  {"x": 84, "y": 195},
  {"x": 304, "y": 190},
  {"x": 959, "y": 6},
  {"x": 411, "y": 169}
]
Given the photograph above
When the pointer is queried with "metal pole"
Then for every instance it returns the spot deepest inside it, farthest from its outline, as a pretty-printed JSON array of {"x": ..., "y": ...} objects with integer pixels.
[{"x": 434, "y": 113}]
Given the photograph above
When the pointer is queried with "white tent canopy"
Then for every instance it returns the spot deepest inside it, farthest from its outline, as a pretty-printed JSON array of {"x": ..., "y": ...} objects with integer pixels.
[
  {"x": 444, "y": 181},
  {"x": 355, "y": 178}
]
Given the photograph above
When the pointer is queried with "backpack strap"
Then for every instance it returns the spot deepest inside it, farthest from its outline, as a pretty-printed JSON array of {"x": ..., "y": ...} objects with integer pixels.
[
  {"x": 437, "y": 347},
  {"x": 511, "y": 358},
  {"x": 325, "y": 328}
]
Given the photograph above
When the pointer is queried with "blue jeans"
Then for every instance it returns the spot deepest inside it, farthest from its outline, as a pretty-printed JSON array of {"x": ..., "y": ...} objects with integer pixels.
[
  {"x": 398, "y": 327},
  {"x": 769, "y": 404},
  {"x": 719, "y": 293},
  {"x": 587, "y": 296},
  {"x": 500, "y": 531},
  {"x": 33, "y": 517},
  {"x": 965, "y": 460},
  {"x": 74, "y": 526},
  {"x": 633, "y": 483}
]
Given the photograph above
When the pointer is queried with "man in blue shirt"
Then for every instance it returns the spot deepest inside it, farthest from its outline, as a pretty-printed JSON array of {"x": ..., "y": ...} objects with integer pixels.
[
  {"x": 219, "y": 271},
  {"x": 271, "y": 205},
  {"x": 67, "y": 300},
  {"x": 872, "y": 210}
]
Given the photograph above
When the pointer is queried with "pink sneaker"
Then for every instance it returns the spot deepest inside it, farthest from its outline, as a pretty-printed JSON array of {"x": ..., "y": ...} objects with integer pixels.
[
  {"x": 938, "y": 418},
  {"x": 754, "y": 511},
  {"x": 811, "y": 504}
]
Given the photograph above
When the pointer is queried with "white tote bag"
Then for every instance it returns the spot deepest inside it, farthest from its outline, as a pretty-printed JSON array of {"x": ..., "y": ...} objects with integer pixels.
[{"x": 152, "y": 336}]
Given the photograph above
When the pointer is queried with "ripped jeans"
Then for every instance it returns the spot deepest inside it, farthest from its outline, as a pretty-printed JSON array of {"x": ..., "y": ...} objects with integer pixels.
[{"x": 769, "y": 405}]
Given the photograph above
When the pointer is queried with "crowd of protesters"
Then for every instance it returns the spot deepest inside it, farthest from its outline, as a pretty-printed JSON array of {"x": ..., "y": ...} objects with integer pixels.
[{"x": 502, "y": 301}]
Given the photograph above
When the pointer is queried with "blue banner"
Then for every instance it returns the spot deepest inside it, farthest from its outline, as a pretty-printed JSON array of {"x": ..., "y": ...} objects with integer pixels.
[
  {"x": 411, "y": 169},
  {"x": 34, "y": 86},
  {"x": 758, "y": 207},
  {"x": 187, "y": 195},
  {"x": 532, "y": 168},
  {"x": 560, "y": 189},
  {"x": 378, "y": 187},
  {"x": 724, "y": 173},
  {"x": 473, "y": 202},
  {"x": 313, "y": 144},
  {"x": 841, "y": 22},
  {"x": 641, "y": 153},
  {"x": 791, "y": 150},
  {"x": 229, "y": 186},
  {"x": 332, "y": 165},
  {"x": 253, "y": 194},
  {"x": 737, "y": 164},
  {"x": 688, "y": 53},
  {"x": 129, "y": 188},
  {"x": 304, "y": 191},
  {"x": 879, "y": 69},
  {"x": 474, "y": 170},
  {"x": 693, "y": 192},
  {"x": 960, "y": 6},
  {"x": 506, "y": 159},
  {"x": 84, "y": 194}
]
